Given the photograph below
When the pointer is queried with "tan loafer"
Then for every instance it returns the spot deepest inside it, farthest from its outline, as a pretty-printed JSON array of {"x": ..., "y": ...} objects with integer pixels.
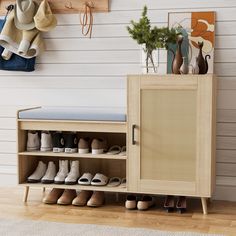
[
  {"x": 145, "y": 203},
  {"x": 96, "y": 200},
  {"x": 67, "y": 197},
  {"x": 82, "y": 198},
  {"x": 53, "y": 196},
  {"x": 131, "y": 202}
]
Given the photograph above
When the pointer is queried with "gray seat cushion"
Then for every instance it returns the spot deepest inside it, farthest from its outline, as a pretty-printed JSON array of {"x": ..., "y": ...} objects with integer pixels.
[{"x": 74, "y": 113}]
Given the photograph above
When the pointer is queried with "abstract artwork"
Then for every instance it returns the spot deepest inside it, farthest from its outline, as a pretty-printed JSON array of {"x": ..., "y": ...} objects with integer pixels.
[{"x": 198, "y": 30}]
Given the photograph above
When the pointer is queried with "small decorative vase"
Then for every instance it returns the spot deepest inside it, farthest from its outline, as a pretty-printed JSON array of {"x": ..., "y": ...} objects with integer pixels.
[
  {"x": 178, "y": 59},
  {"x": 184, "y": 68},
  {"x": 195, "y": 67}
]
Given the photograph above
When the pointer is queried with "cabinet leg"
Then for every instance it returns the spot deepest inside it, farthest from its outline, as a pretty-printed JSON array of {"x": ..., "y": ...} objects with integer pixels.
[
  {"x": 204, "y": 205},
  {"x": 26, "y": 194}
]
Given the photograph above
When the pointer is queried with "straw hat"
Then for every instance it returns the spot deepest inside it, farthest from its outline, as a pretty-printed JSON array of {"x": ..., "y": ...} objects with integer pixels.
[
  {"x": 24, "y": 14},
  {"x": 44, "y": 19}
]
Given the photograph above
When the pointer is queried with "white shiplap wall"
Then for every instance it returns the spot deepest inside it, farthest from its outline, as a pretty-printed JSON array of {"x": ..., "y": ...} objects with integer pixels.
[{"x": 76, "y": 71}]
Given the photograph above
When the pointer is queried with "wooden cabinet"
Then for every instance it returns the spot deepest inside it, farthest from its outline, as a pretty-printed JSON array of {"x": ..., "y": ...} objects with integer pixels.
[{"x": 171, "y": 134}]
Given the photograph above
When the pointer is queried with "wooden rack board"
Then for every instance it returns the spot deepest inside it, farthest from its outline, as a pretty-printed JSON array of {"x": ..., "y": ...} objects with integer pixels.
[{"x": 65, "y": 6}]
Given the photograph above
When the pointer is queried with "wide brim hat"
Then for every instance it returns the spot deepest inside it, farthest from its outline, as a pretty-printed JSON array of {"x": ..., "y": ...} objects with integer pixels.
[
  {"x": 25, "y": 11},
  {"x": 44, "y": 18}
]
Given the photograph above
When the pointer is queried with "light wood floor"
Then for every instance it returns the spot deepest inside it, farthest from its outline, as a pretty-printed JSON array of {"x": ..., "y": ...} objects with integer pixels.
[{"x": 221, "y": 218}]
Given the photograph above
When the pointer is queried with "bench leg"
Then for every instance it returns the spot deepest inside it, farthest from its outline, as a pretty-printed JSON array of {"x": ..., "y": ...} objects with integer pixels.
[
  {"x": 26, "y": 193},
  {"x": 204, "y": 205}
]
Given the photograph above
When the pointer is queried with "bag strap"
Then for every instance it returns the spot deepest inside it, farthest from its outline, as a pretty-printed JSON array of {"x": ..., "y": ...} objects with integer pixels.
[{"x": 9, "y": 8}]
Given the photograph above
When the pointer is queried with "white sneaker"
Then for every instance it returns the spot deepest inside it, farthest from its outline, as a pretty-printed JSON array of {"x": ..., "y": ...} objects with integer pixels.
[
  {"x": 74, "y": 173},
  {"x": 62, "y": 173},
  {"x": 50, "y": 174},
  {"x": 46, "y": 141},
  {"x": 32, "y": 141},
  {"x": 38, "y": 173}
]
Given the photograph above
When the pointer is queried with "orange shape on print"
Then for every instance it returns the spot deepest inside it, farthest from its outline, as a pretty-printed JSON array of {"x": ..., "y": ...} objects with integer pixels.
[{"x": 200, "y": 28}]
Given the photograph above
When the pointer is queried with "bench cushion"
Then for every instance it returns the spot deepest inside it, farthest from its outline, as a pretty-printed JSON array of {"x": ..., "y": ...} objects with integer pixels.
[{"x": 74, "y": 113}]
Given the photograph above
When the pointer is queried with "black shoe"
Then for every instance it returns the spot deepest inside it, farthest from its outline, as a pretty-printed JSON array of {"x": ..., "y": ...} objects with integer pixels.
[
  {"x": 169, "y": 204},
  {"x": 71, "y": 143},
  {"x": 58, "y": 142},
  {"x": 181, "y": 204}
]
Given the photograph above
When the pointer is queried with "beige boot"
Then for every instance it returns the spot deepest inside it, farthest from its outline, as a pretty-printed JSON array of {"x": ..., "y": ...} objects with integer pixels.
[
  {"x": 131, "y": 202},
  {"x": 145, "y": 203},
  {"x": 82, "y": 198},
  {"x": 53, "y": 196},
  {"x": 96, "y": 200},
  {"x": 67, "y": 197}
]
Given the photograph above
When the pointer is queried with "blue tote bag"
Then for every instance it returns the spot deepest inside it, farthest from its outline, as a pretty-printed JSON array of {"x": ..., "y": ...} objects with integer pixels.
[{"x": 15, "y": 63}]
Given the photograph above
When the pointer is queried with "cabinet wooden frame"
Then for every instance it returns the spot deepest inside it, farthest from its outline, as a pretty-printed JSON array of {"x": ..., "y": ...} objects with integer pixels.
[{"x": 205, "y": 88}]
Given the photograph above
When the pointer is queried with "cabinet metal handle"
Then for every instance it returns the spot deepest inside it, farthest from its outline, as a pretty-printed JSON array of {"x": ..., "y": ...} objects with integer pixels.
[{"x": 133, "y": 128}]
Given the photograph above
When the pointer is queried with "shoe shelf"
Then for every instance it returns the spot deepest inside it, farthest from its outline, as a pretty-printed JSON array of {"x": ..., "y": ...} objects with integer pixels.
[
  {"x": 73, "y": 155},
  {"x": 72, "y": 125},
  {"x": 77, "y": 187}
]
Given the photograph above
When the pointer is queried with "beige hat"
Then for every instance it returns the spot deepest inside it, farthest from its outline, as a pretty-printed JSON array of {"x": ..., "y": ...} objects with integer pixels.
[
  {"x": 24, "y": 14},
  {"x": 44, "y": 19}
]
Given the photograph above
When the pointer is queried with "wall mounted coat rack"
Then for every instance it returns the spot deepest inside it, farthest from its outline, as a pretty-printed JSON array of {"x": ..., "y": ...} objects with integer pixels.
[{"x": 65, "y": 6}]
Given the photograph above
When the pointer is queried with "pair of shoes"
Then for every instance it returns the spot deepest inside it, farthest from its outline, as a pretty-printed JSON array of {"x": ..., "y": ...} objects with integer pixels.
[
  {"x": 98, "y": 145},
  {"x": 66, "y": 176},
  {"x": 34, "y": 143},
  {"x": 89, "y": 179},
  {"x": 181, "y": 204},
  {"x": 47, "y": 173},
  {"x": 60, "y": 196},
  {"x": 89, "y": 198},
  {"x": 145, "y": 203},
  {"x": 67, "y": 143},
  {"x": 117, "y": 150}
]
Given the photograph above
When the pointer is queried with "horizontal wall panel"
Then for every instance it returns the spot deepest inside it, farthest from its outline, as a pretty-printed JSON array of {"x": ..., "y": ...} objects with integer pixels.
[
  {"x": 61, "y": 82},
  {"x": 81, "y": 69},
  {"x": 226, "y": 193},
  {"x": 226, "y": 115},
  {"x": 7, "y": 147},
  {"x": 226, "y": 129},
  {"x": 225, "y": 55},
  {"x": 226, "y": 181},
  {"x": 120, "y": 30},
  {"x": 226, "y": 169},
  {"x": 8, "y": 123},
  {"x": 222, "y": 42},
  {"x": 225, "y": 69},
  {"x": 227, "y": 83},
  {"x": 7, "y": 135},
  {"x": 226, "y": 143},
  {"x": 91, "y": 44},
  {"x": 8, "y": 159},
  {"x": 75, "y": 97},
  {"x": 162, "y": 4},
  {"x": 225, "y": 99},
  {"x": 155, "y": 15},
  {"x": 8, "y": 180},
  {"x": 226, "y": 156},
  {"x": 225, "y": 42},
  {"x": 88, "y": 57}
]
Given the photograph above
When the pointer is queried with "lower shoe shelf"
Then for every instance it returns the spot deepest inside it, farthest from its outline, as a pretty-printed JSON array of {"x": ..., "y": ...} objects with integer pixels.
[{"x": 77, "y": 187}]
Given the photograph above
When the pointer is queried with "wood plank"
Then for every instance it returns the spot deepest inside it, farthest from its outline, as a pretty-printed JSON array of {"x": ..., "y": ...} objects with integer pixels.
[
  {"x": 226, "y": 115},
  {"x": 7, "y": 147},
  {"x": 60, "y": 7},
  {"x": 155, "y": 15},
  {"x": 59, "y": 82},
  {"x": 74, "y": 155},
  {"x": 81, "y": 70},
  {"x": 72, "y": 97},
  {"x": 8, "y": 159},
  {"x": 226, "y": 129},
  {"x": 226, "y": 169},
  {"x": 226, "y": 143},
  {"x": 7, "y": 135},
  {"x": 226, "y": 156}
]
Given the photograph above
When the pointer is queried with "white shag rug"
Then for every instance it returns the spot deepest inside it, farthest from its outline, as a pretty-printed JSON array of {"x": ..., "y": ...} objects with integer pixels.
[{"x": 45, "y": 228}]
